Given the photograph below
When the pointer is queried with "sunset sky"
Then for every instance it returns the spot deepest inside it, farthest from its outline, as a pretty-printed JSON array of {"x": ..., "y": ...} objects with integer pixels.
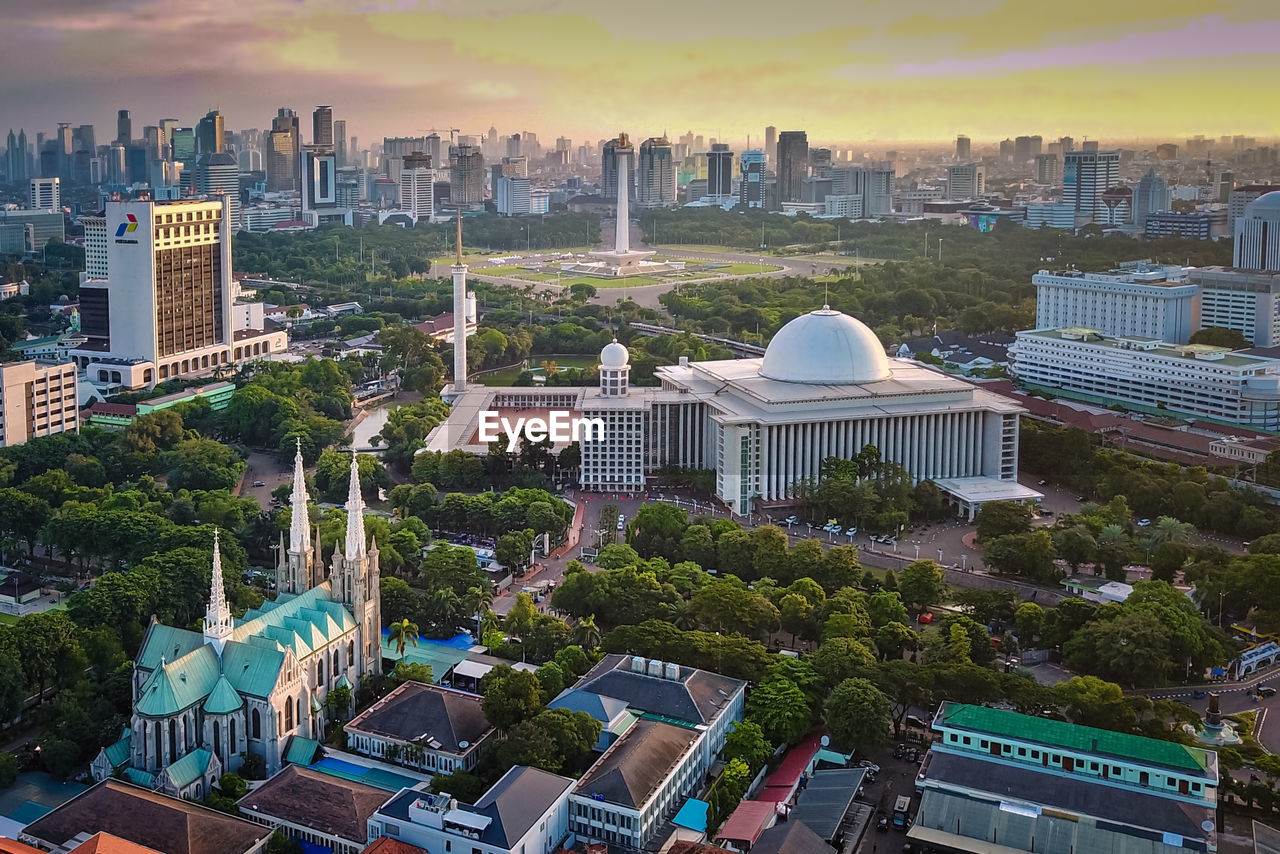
[{"x": 845, "y": 70}]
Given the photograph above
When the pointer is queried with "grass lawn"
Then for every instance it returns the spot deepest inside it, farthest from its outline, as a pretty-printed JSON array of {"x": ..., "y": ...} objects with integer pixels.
[
  {"x": 8, "y": 620},
  {"x": 605, "y": 284},
  {"x": 568, "y": 360},
  {"x": 744, "y": 269},
  {"x": 536, "y": 277},
  {"x": 483, "y": 269}
]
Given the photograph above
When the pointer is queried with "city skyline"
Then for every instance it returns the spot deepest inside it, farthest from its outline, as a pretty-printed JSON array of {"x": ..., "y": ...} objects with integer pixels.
[{"x": 911, "y": 71}]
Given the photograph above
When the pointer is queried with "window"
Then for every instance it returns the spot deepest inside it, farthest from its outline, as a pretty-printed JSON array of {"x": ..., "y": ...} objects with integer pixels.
[
  {"x": 967, "y": 741},
  {"x": 984, "y": 744},
  {"x": 255, "y": 725},
  {"x": 1022, "y": 751},
  {"x": 392, "y": 829},
  {"x": 1035, "y": 754}
]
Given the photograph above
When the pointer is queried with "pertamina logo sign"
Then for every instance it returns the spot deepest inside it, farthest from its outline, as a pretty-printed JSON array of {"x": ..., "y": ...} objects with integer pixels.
[{"x": 127, "y": 228}]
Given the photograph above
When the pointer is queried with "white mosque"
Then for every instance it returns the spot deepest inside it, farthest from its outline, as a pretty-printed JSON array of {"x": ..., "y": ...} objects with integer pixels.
[{"x": 823, "y": 388}]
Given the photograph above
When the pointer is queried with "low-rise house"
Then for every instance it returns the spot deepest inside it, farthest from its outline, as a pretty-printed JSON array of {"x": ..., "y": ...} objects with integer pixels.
[
  {"x": 434, "y": 729},
  {"x": 317, "y": 808}
]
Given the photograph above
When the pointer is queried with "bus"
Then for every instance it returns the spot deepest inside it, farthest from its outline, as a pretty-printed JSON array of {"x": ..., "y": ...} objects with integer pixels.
[{"x": 901, "y": 812}]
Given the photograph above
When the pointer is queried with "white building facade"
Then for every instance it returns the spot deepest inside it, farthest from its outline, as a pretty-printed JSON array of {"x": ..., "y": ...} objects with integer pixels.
[
  {"x": 1248, "y": 302},
  {"x": 1152, "y": 302},
  {"x": 1207, "y": 382},
  {"x": 1257, "y": 245}
]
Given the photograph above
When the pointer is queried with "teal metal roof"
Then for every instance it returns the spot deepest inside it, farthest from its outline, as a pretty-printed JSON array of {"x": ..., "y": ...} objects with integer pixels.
[
  {"x": 180, "y": 684},
  {"x": 1069, "y": 736},
  {"x": 253, "y": 668},
  {"x": 342, "y": 682},
  {"x": 302, "y": 751},
  {"x": 441, "y": 658},
  {"x": 223, "y": 699},
  {"x": 835, "y": 758},
  {"x": 140, "y": 777},
  {"x": 189, "y": 768},
  {"x": 118, "y": 754},
  {"x": 168, "y": 643}
]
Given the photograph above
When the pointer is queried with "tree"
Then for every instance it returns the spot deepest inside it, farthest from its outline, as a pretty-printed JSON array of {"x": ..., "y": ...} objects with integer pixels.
[
  {"x": 281, "y": 843},
  {"x": 857, "y": 713},
  {"x": 411, "y": 671},
  {"x": 746, "y": 741},
  {"x": 999, "y": 518},
  {"x": 233, "y": 785},
  {"x": 338, "y": 701},
  {"x": 402, "y": 633},
  {"x": 1090, "y": 701},
  {"x": 8, "y": 770},
  {"x": 510, "y": 696},
  {"x": 520, "y": 618},
  {"x": 399, "y": 601},
  {"x": 923, "y": 583},
  {"x": 886, "y": 607},
  {"x": 839, "y": 659},
  {"x": 573, "y": 661},
  {"x": 586, "y": 633},
  {"x": 551, "y": 680},
  {"x": 1029, "y": 618},
  {"x": 1218, "y": 336},
  {"x": 253, "y": 766},
  {"x": 780, "y": 709}
]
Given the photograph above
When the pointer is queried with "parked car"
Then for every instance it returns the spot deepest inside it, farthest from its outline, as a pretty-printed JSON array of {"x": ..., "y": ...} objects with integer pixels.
[
  {"x": 1266, "y": 691},
  {"x": 883, "y": 823},
  {"x": 792, "y": 520},
  {"x": 870, "y": 766},
  {"x": 258, "y": 483},
  {"x": 1142, "y": 523}
]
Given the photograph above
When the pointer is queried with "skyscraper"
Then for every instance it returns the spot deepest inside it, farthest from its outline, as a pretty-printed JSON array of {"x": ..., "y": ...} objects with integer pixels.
[
  {"x": 1086, "y": 175},
  {"x": 1241, "y": 197},
  {"x": 656, "y": 175},
  {"x": 82, "y": 139},
  {"x": 609, "y": 167},
  {"x": 15, "y": 157},
  {"x": 182, "y": 145},
  {"x": 793, "y": 164},
  {"x": 1151, "y": 195},
  {"x": 417, "y": 187},
  {"x": 433, "y": 148},
  {"x": 340, "y": 143},
  {"x": 966, "y": 181},
  {"x": 751, "y": 184},
  {"x": 962, "y": 147},
  {"x": 219, "y": 173},
  {"x": 770, "y": 146},
  {"x": 282, "y": 154},
  {"x": 1047, "y": 171},
  {"x": 124, "y": 128},
  {"x": 719, "y": 170},
  {"x": 467, "y": 178},
  {"x": 319, "y": 177},
  {"x": 210, "y": 133},
  {"x": 322, "y": 126},
  {"x": 45, "y": 193}
]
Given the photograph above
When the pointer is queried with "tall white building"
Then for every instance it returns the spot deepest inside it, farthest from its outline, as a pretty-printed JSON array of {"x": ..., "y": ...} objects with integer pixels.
[
  {"x": 966, "y": 181},
  {"x": 1049, "y": 215},
  {"x": 417, "y": 188},
  {"x": 513, "y": 195},
  {"x": 45, "y": 193},
  {"x": 163, "y": 307},
  {"x": 1193, "y": 379},
  {"x": 1086, "y": 175},
  {"x": 220, "y": 173},
  {"x": 36, "y": 399},
  {"x": 1242, "y": 197},
  {"x": 1149, "y": 301},
  {"x": 1257, "y": 244},
  {"x": 873, "y": 185},
  {"x": 1248, "y": 302}
]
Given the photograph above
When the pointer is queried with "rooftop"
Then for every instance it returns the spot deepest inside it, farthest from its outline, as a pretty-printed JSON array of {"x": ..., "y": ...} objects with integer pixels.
[
  {"x": 791, "y": 837},
  {"x": 442, "y": 718},
  {"x": 1188, "y": 352},
  {"x": 632, "y": 769},
  {"x": 697, "y": 696},
  {"x": 105, "y": 843},
  {"x": 319, "y": 801},
  {"x": 149, "y": 819},
  {"x": 1101, "y": 742}
]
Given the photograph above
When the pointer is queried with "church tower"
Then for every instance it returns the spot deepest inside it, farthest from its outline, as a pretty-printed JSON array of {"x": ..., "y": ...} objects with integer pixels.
[
  {"x": 217, "y": 616},
  {"x": 294, "y": 567},
  {"x": 356, "y": 581}
]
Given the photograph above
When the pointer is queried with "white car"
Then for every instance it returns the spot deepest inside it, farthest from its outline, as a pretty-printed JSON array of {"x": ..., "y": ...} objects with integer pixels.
[
  {"x": 792, "y": 520},
  {"x": 1143, "y": 523}
]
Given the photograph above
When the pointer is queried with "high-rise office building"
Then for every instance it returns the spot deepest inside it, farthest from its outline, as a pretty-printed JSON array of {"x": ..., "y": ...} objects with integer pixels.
[
  {"x": 871, "y": 186},
  {"x": 45, "y": 193},
  {"x": 770, "y": 146},
  {"x": 15, "y": 157},
  {"x": 220, "y": 173},
  {"x": 719, "y": 170},
  {"x": 36, "y": 399},
  {"x": 282, "y": 152},
  {"x": 563, "y": 143},
  {"x": 513, "y": 195},
  {"x": 655, "y": 174},
  {"x": 793, "y": 164},
  {"x": 66, "y": 146},
  {"x": 751, "y": 183},
  {"x": 1089, "y": 145},
  {"x": 417, "y": 187},
  {"x": 1247, "y": 302},
  {"x": 513, "y": 145},
  {"x": 467, "y": 178},
  {"x": 1048, "y": 168},
  {"x": 1022, "y": 149},
  {"x": 1007, "y": 149},
  {"x": 433, "y": 148},
  {"x": 1067, "y": 143},
  {"x": 963, "y": 147},
  {"x": 340, "y": 143},
  {"x": 322, "y": 126},
  {"x": 1257, "y": 242},
  {"x": 210, "y": 133},
  {"x": 966, "y": 181},
  {"x": 124, "y": 128},
  {"x": 83, "y": 139},
  {"x": 609, "y": 167},
  {"x": 1086, "y": 175},
  {"x": 1241, "y": 197},
  {"x": 319, "y": 177},
  {"x": 1150, "y": 196}
]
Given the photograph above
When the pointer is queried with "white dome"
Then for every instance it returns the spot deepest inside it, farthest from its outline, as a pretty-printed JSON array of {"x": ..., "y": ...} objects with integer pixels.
[
  {"x": 825, "y": 347},
  {"x": 1266, "y": 202},
  {"x": 614, "y": 355}
]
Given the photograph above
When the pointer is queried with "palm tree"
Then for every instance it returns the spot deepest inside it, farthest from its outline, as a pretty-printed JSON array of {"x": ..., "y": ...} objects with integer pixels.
[
  {"x": 586, "y": 633},
  {"x": 477, "y": 600},
  {"x": 403, "y": 633},
  {"x": 444, "y": 608},
  {"x": 1169, "y": 530},
  {"x": 489, "y": 622}
]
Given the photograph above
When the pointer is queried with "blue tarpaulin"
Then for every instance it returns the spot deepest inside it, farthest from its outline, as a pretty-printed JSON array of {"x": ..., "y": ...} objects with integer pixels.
[{"x": 692, "y": 815}]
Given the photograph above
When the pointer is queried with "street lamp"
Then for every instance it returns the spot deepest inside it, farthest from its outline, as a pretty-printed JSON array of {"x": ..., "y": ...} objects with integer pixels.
[{"x": 939, "y": 555}]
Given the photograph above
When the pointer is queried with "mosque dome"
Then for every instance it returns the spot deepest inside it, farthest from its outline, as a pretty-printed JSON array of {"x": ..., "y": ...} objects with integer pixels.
[
  {"x": 614, "y": 355},
  {"x": 1268, "y": 202},
  {"x": 825, "y": 347}
]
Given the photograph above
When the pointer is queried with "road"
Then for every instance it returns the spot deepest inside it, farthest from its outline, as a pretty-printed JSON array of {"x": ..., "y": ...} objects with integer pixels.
[
  {"x": 1236, "y": 697},
  {"x": 265, "y": 467}
]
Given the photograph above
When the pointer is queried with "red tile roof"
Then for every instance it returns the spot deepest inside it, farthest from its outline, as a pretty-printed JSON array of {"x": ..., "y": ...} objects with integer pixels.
[{"x": 387, "y": 845}]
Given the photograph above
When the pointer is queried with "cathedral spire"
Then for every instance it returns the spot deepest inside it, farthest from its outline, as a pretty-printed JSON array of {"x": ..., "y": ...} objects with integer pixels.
[
  {"x": 298, "y": 543},
  {"x": 217, "y": 616},
  {"x": 355, "y": 511}
]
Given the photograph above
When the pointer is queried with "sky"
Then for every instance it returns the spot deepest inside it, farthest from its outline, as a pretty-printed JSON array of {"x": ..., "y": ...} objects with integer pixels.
[{"x": 844, "y": 70}]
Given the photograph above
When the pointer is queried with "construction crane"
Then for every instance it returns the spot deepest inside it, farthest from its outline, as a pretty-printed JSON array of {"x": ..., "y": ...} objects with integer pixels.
[{"x": 453, "y": 132}]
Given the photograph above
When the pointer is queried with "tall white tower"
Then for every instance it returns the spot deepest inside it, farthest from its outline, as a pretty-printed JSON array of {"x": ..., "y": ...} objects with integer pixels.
[
  {"x": 615, "y": 370},
  {"x": 622, "y": 226},
  {"x": 356, "y": 578},
  {"x": 459, "y": 317},
  {"x": 295, "y": 571},
  {"x": 217, "y": 616}
]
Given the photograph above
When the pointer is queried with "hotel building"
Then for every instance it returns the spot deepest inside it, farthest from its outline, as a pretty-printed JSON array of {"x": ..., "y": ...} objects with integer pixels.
[
  {"x": 36, "y": 399},
  {"x": 1136, "y": 299}
]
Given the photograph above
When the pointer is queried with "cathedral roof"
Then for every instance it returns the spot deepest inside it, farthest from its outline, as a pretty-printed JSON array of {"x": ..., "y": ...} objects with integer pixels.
[
  {"x": 180, "y": 684},
  {"x": 189, "y": 768},
  {"x": 223, "y": 699}
]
